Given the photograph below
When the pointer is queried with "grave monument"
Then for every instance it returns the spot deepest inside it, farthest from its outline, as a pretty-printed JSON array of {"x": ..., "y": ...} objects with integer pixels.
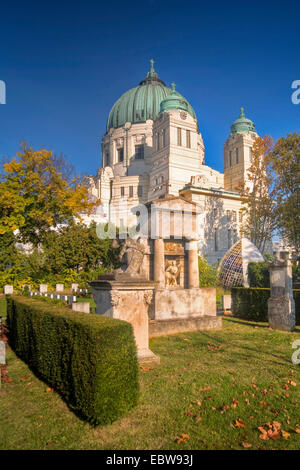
[
  {"x": 156, "y": 288},
  {"x": 281, "y": 305}
]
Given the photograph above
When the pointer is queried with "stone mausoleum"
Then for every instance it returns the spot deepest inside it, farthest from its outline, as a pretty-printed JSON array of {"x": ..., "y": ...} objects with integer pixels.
[{"x": 153, "y": 148}]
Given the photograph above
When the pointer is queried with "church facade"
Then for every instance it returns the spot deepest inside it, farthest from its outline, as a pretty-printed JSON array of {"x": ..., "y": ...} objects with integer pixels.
[{"x": 153, "y": 148}]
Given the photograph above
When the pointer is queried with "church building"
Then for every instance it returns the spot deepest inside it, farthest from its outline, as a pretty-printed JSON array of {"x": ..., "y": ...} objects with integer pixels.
[{"x": 153, "y": 148}]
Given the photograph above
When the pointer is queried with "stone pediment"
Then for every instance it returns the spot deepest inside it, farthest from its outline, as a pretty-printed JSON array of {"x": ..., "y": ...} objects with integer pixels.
[{"x": 173, "y": 203}]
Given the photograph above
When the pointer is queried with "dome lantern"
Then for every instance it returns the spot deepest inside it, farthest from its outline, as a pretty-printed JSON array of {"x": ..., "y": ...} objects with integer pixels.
[
  {"x": 242, "y": 124},
  {"x": 174, "y": 101}
]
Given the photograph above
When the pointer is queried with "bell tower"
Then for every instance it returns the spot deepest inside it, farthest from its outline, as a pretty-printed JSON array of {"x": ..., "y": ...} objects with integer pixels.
[
  {"x": 178, "y": 149},
  {"x": 237, "y": 152}
]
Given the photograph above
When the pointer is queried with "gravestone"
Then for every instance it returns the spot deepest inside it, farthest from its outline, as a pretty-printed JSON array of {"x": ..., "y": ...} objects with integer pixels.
[
  {"x": 43, "y": 288},
  {"x": 59, "y": 287},
  {"x": 281, "y": 305},
  {"x": 74, "y": 287},
  {"x": 83, "y": 307},
  {"x": 8, "y": 289},
  {"x": 226, "y": 302}
]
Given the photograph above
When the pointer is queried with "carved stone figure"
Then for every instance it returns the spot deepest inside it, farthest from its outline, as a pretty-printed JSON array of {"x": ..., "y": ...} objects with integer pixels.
[
  {"x": 131, "y": 257},
  {"x": 172, "y": 273}
]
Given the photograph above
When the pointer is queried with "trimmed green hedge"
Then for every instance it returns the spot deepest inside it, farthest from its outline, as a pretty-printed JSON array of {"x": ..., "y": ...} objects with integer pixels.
[
  {"x": 251, "y": 303},
  {"x": 89, "y": 359}
]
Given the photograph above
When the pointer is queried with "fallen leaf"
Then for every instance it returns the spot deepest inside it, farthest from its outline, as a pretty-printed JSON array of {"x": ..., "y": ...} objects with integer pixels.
[
  {"x": 264, "y": 435},
  {"x": 291, "y": 382},
  {"x": 276, "y": 425},
  {"x": 246, "y": 445},
  {"x": 273, "y": 434},
  {"x": 183, "y": 437},
  {"x": 25, "y": 377},
  {"x": 285, "y": 434},
  {"x": 297, "y": 430},
  {"x": 48, "y": 389},
  {"x": 239, "y": 423},
  {"x": 204, "y": 389},
  {"x": 146, "y": 367},
  {"x": 225, "y": 407},
  {"x": 198, "y": 418}
]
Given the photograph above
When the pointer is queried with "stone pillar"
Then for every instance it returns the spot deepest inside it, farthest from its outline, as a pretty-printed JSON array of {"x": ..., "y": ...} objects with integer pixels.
[
  {"x": 281, "y": 305},
  {"x": 159, "y": 262},
  {"x": 193, "y": 267}
]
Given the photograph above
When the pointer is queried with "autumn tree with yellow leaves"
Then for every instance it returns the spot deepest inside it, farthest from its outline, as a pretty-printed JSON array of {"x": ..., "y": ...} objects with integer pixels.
[{"x": 36, "y": 193}]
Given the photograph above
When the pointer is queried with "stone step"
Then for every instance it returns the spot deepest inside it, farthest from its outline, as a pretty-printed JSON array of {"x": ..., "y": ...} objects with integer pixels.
[{"x": 180, "y": 325}]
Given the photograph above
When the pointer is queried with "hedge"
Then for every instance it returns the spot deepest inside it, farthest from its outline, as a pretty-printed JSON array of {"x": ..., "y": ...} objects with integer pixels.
[
  {"x": 251, "y": 303},
  {"x": 258, "y": 274},
  {"x": 89, "y": 359}
]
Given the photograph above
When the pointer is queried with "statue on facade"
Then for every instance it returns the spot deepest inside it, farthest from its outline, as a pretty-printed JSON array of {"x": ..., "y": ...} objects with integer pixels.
[{"x": 172, "y": 273}]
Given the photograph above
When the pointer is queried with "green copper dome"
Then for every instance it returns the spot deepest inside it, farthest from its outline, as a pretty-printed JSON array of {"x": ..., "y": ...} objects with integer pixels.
[
  {"x": 174, "y": 101},
  {"x": 242, "y": 124},
  {"x": 143, "y": 102}
]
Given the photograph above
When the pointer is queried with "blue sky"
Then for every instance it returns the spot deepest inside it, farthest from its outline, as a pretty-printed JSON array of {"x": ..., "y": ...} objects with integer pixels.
[{"x": 66, "y": 63}]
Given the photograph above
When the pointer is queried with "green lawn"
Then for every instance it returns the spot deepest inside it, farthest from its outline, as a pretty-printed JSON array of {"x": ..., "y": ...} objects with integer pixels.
[{"x": 215, "y": 387}]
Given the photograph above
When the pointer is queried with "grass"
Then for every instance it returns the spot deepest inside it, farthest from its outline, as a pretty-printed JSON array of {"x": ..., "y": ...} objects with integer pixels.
[{"x": 244, "y": 372}]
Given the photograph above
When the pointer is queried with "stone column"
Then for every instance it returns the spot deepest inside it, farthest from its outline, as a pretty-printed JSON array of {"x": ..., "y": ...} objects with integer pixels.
[
  {"x": 159, "y": 262},
  {"x": 281, "y": 305},
  {"x": 193, "y": 267}
]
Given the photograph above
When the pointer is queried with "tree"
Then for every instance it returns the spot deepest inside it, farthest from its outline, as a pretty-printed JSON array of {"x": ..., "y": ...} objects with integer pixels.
[
  {"x": 257, "y": 195},
  {"x": 77, "y": 247},
  {"x": 8, "y": 253},
  {"x": 285, "y": 161},
  {"x": 37, "y": 192}
]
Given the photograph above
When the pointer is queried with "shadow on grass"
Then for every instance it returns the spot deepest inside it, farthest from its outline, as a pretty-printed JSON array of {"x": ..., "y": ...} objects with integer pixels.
[
  {"x": 250, "y": 352},
  {"x": 259, "y": 324},
  {"x": 246, "y": 322}
]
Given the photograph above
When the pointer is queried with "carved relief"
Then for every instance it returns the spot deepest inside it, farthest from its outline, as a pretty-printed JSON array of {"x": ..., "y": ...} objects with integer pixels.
[
  {"x": 172, "y": 273},
  {"x": 148, "y": 297},
  {"x": 175, "y": 248},
  {"x": 115, "y": 298}
]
